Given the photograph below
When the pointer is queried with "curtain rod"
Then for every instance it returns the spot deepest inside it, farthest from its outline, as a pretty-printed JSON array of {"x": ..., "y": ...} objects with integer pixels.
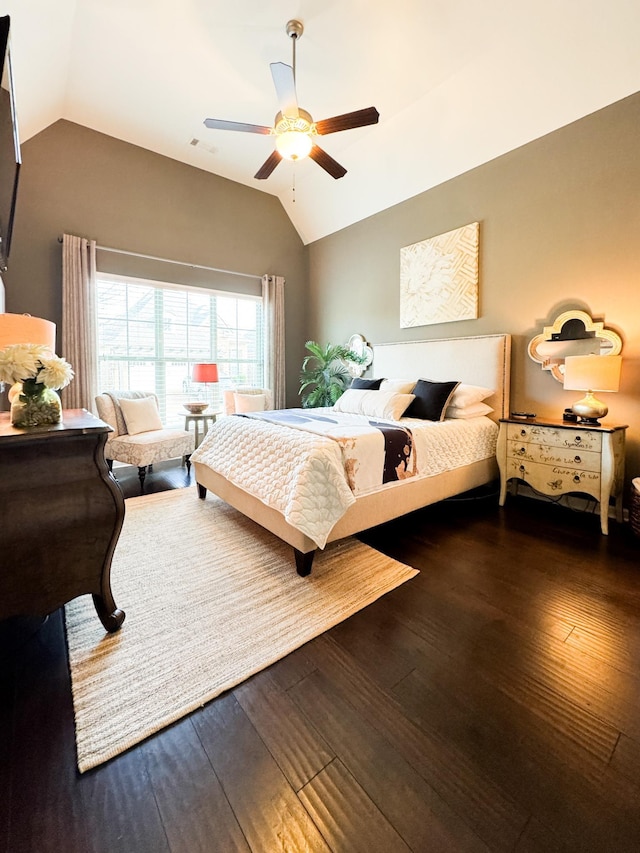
[{"x": 169, "y": 261}]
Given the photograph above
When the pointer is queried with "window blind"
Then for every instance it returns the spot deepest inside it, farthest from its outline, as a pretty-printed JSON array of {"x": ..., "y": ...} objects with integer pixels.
[{"x": 151, "y": 333}]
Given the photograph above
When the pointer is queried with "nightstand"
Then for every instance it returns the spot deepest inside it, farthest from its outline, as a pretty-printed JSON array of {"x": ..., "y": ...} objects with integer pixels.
[{"x": 555, "y": 458}]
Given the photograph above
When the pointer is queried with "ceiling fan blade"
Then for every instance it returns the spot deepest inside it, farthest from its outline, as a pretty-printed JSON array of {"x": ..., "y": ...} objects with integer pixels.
[
  {"x": 285, "y": 83},
  {"x": 358, "y": 118},
  {"x": 221, "y": 124},
  {"x": 327, "y": 162},
  {"x": 268, "y": 166}
]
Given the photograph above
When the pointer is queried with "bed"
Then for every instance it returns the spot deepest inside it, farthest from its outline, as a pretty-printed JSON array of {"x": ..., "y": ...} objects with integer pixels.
[{"x": 239, "y": 450}]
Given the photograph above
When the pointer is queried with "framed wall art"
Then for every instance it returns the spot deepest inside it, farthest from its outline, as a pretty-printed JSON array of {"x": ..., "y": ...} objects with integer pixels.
[{"x": 439, "y": 278}]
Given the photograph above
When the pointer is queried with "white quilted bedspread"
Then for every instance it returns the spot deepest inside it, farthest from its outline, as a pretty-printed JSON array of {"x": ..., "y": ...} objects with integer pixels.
[
  {"x": 301, "y": 474},
  {"x": 445, "y": 445}
]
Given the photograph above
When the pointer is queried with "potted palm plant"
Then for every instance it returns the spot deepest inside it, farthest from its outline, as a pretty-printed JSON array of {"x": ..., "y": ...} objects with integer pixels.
[{"x": 325, "y": 373}]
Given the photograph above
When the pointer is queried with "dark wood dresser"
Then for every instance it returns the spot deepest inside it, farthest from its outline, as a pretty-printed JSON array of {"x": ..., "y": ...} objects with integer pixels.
[{"x": 61, "y": 513}]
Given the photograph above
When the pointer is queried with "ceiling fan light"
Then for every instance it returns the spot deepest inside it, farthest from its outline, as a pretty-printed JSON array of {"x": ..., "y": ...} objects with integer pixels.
[{"x": 293, "y": 144}]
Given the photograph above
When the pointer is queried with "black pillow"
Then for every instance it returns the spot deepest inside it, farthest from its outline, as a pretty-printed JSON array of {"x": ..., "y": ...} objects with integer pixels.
[
  {"x": 366, "y": 384},
  {"x": 432, "y": 399}
]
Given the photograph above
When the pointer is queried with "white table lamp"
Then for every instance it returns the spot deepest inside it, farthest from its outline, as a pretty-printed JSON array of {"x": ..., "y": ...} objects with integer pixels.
[{"x": 591, "y": 373}]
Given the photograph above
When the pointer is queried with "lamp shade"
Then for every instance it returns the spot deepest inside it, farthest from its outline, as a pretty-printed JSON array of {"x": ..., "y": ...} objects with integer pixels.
[
  {"x": 25, "y": 329},
  {"x": 592, "y": 372},
  {"x": 205, "y": 373}
]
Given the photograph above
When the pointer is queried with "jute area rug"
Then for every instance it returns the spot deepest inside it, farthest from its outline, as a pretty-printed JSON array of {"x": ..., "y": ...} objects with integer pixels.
[{"x": 210, "y": 599}]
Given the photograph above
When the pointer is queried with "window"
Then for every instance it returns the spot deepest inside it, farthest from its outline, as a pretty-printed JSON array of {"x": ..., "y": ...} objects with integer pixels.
[{"x": 150, "y": 334}]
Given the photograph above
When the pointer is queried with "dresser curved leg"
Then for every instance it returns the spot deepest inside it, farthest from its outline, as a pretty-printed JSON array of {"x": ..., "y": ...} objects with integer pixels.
[{"x": 110, "y": 615}]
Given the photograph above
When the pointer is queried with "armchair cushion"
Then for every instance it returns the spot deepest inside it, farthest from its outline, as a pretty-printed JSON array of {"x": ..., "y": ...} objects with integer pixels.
[
  {"x": 249, "y": 402},
  {"x": 109, "y": 410},
  {"x": 229, "y": 399},
  {"x": 145, "y": 448},
  {"x": 141, "y": 415}
]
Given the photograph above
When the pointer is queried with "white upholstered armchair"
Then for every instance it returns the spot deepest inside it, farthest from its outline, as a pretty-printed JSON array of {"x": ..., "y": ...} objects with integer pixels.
[{"x": 139, "y": 437}]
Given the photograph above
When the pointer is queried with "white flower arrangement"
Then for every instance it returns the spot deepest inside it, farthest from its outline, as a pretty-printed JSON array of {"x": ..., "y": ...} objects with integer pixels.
[
  {"x": 36, "y": 374},
  {"x": 35, "y": 366}
]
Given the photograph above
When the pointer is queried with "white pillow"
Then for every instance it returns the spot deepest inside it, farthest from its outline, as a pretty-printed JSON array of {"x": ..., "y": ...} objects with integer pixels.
[
  {"x": 473, "y": 411},
  {"x": 398, "y": 386},
  {"x": 140, "y": 415},
  {"x": 249, "y": 402},
  {"x": 467, "y": 395},
  {"x": 374, "y": 404}
]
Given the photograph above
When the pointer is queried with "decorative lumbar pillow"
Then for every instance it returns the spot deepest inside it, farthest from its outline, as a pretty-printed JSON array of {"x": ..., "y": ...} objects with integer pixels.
[
  {"x": 432, "y": 399},
  {"x": 467, "y": 395},
  {"x": 473, "y": 411},
  {"x": 398, "y": 386},
  {"x": 249, "y": 403},
  {"x": 374, "y": 404},
  {"x": 140, "y": 415},
  {"x": 360, "y": 384}
]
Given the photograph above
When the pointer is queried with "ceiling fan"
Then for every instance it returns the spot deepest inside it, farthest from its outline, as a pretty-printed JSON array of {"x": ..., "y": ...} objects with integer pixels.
[{"x": 293, "y": 127}]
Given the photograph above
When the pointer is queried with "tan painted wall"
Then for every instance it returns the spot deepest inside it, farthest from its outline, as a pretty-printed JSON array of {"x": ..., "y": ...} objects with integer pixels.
[
  {"x": 78, "y": 181},
  {"x": 559, "y": 228}
]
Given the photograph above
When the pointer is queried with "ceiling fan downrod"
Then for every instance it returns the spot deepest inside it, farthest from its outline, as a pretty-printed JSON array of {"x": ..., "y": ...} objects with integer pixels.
[{"x": 294, "y": 30}]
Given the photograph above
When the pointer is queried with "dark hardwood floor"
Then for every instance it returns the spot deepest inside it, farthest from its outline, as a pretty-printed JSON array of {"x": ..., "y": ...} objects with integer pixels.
[{"x": 491, "y": 703}]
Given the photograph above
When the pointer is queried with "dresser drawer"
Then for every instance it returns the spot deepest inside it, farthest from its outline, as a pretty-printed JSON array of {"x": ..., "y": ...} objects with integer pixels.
[
  {"x": 578, "y": 439},
  {"x": 587, "y": 460},
  {"x": 554, "y": 479}
]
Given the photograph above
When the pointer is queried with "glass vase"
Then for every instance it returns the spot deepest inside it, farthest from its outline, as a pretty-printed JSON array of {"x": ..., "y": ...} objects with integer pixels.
[{"x": 32, "y": 410}]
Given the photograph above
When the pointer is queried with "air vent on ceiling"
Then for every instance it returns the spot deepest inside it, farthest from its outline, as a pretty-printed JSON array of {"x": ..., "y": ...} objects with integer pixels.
[{"x": 198, "y": 143}]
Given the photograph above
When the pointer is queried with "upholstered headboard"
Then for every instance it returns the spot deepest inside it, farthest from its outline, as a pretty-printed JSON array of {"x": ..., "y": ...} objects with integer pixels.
[{"x": 481, "y": 360}]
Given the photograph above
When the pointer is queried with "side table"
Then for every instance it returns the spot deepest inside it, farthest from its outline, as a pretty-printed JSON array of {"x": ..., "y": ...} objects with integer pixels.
[
  {"x": 62, "y": 512},
  {"x": 201, "y": 423}
]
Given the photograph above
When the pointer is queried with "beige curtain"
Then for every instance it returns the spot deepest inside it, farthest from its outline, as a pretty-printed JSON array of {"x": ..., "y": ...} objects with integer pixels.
[
  {"x": 273, "y": 301},
  {"x": 79, "y": 321}
]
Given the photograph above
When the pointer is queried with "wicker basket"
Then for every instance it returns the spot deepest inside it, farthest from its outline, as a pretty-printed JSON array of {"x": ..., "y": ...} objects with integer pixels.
[{"x": 634, "y": 512}]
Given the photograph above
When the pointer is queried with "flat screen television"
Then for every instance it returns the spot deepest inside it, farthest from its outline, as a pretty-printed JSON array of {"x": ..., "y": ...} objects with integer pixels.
[{"x": 9, "y": 147}]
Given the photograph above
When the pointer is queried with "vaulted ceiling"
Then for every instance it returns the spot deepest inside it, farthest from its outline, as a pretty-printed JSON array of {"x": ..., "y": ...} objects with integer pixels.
[{"x": 456, "y": 82}]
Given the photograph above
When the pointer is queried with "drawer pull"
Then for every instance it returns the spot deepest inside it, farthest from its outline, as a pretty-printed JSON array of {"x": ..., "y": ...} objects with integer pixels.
[
  {"x": 523, "y": 432},
  {"x": 576, "y": 478},
  {"x": 577, "y": 459},
  {"x": 578, "y": 439},
  {"x": 522, "y": 468}
]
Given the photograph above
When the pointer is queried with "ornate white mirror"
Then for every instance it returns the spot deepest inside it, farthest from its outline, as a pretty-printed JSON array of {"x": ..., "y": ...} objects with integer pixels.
[
  {"x": 359, "y": 345},
  {"x": 572, "y": 333}
]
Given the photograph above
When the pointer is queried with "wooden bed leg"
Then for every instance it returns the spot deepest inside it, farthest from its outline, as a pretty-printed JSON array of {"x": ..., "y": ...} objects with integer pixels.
[
  {"x": 304, "y": 562},
  {"x": 202, "y": 491}
]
